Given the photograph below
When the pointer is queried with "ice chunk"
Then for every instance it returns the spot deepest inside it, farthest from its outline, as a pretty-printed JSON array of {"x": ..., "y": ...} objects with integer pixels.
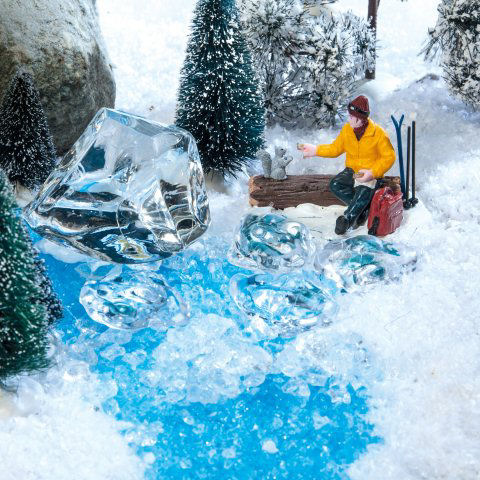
[
  {"x": 129, "y": 191},
  {"x": 362, "y": 260},
  {"x": 126, "y": 299},
  {"x": 284, "y": 305},
  {"x": 269, "y": 446},
  {"x": 271, "y": 242}
]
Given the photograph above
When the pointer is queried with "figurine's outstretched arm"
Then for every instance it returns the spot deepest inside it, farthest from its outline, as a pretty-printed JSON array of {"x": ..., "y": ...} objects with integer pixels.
[{"x": 334, "y": 149}]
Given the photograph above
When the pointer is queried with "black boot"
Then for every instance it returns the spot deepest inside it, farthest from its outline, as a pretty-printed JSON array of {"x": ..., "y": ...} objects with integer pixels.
[
  {"x": 362, "y": 218},
  {"x": 342, "y": 225},
  {"x": 357, "y": 211}
]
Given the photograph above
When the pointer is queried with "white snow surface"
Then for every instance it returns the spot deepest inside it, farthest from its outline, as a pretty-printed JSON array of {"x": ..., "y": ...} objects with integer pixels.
[{"x": 423, "y": 331}]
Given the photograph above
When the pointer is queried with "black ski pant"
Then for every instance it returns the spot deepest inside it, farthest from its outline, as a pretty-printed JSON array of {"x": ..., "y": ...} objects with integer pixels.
[{"x": 357, "y": 199}]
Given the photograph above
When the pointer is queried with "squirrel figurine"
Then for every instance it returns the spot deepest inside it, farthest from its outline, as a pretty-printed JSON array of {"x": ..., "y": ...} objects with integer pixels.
[{"x": 275, "y": 167}]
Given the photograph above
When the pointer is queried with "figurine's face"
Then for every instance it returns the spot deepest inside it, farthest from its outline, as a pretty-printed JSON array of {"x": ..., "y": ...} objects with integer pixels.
[
  {"x": 280, "y": 151},
  {"x": 354, "y": 121}
]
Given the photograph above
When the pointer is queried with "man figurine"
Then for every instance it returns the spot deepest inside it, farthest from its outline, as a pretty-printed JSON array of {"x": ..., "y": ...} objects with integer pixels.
[{"x": 370, "y": 155}]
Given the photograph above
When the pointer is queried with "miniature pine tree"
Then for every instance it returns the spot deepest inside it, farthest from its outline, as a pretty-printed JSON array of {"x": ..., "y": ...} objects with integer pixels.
[
  {"x": 456, "y": 38},
  {"x": 307, "y": 57},
  {"x": 23, "y": 319},
  {"x": 219, "y": 101},
  {"x": 27, "y": 153}
]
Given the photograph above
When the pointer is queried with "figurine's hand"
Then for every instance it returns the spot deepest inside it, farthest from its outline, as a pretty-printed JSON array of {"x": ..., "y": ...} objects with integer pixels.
[
  {"x": 364, "y": 175},
  {"x": 308, "y": 149}
]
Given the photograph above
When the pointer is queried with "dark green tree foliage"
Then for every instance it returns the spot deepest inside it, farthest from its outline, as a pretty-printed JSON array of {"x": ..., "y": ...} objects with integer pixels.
[
  {"x": 48, "y": 298},
  {"x": 219, "y": 101},
  {"x": 27, "y": 153},
  {"x": 24, "y": 320}
]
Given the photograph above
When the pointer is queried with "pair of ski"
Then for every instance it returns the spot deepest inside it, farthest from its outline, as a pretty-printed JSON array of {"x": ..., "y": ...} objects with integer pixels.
[{"x": 408, "y": 202}]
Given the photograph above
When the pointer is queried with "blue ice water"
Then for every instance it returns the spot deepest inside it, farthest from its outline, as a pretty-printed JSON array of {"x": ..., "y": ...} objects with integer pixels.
[{"x": 203, "y": 400}]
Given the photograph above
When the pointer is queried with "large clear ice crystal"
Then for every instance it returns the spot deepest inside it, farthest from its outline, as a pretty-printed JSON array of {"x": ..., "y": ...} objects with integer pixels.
[
  {"x": 284, "y": 305},
  {"x": 362, "y": 260},
  {"x": 129, "y": 191},
  {"x": 271, "y": 242},
  {"x": 127, "y": 299}
]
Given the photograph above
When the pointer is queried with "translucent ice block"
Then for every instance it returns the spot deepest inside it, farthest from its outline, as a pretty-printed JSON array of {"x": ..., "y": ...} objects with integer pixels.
[{"x": 129, "y": 191}]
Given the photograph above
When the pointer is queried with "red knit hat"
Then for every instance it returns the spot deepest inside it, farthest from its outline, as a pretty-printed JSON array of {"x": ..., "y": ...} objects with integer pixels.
[{"x": 359, "y": 107}]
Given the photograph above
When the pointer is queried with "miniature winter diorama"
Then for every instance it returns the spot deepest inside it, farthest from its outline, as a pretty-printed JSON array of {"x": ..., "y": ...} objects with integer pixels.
[
  {"x": 260, "y": 344},
  {"x": 129, "y": 191}
]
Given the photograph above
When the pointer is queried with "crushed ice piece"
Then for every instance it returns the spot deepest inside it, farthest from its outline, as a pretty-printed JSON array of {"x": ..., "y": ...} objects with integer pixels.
[
  {"x": 298, "y": 387},
  {"x": 362, "y": 260},
  {"x": 112, "y": 351},
  {"x": 127, "y": 299},
  {"x": 271, "y": 242},
  {"x": 284, "y": 305},
  {"x": 319, "y": 420},
  {"x": 229, "y": 452},
  {"x": 269, "y": 446},
  {"x": 129, "y": 191}
]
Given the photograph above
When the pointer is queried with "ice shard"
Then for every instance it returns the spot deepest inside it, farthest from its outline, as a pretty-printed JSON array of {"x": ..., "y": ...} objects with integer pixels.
[
  {"x": 129, "y": 191},
  {"x": 362, "y": 260},
  {"x": 127, "y": 299},
  {"x": 284, "y": 305},
  {"x": 271, "y": 243}
]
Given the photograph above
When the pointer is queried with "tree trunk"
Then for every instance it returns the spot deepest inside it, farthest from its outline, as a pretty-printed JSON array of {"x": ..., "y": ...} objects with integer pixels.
[
  {"x": 372, "y": 21},
  {"x": 293, "y": 191}
]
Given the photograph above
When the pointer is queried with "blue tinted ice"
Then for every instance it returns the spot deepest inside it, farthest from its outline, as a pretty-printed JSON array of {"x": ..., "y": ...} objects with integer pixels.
[
  {"x": 362, "y": 260},
  {"x": 129, "y": 191},
  {"x": 284, "y": 305},
  {"x": 271, "y": 242},
  {"x": 128, "y": 299}
]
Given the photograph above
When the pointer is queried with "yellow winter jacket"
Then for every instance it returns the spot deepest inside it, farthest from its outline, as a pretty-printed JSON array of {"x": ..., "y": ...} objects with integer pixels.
[{"x": 373, "y": 152}]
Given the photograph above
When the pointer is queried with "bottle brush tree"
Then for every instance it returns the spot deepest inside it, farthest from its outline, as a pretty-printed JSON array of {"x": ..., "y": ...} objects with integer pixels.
[
  {"x": 24, "y": 318},
  {"x": 27, "y": 153},
  {"x": 219, "y": 101},
  {"x": 456, "y": 41}
]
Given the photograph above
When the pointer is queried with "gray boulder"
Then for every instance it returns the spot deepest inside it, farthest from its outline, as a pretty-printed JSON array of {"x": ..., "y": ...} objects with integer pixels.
[{"x": 61, "y": 43}]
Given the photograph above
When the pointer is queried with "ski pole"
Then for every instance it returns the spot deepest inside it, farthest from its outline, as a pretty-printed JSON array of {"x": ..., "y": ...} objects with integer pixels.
[
  {"x": 398, "y": 129},
  {"x": 407, "y": 183},
  {"x": 413, "y": 200}
]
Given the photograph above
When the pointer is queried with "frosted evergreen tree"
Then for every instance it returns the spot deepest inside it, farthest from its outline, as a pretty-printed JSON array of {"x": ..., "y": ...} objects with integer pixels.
[
  {"x": 24, "y": 320},
  {"x": 27, "y": 153},
  {"x": 307, "y": 63},
  {"x": 48, "y": 297},
  {"x": 219, "y": 101},
  {"x": 456, "y": 39}
]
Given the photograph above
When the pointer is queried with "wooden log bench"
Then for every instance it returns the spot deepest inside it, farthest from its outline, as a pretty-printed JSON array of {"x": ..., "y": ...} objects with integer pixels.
[{"x": 293, "y": 191}]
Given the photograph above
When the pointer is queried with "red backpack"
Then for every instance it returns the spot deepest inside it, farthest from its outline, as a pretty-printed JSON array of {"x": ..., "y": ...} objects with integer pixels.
[{"x": 386, "y": 212}]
